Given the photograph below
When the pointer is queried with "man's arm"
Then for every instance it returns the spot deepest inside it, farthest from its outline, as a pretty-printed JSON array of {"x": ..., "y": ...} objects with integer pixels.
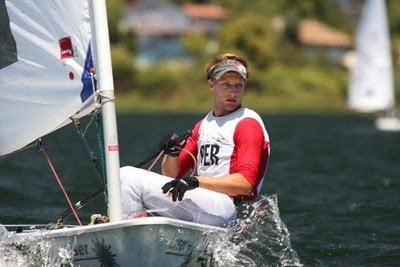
[
  {"x": 170, "y": 166},
  {"x": 232, "y": 184},
  {"x": 177, "y": 166}
]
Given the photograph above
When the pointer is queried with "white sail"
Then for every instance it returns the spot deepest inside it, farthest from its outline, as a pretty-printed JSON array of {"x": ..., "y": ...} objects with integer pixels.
[
  {"x": 44, "y": 48},
  {"x": 371, "y": 80}
]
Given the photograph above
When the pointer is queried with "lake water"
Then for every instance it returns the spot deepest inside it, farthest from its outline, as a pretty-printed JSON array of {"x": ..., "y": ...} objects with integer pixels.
[{"x": 336, "y": 180}]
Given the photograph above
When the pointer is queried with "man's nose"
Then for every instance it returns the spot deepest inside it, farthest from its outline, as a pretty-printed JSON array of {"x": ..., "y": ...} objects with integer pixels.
[{"x": 233, "y": 90}]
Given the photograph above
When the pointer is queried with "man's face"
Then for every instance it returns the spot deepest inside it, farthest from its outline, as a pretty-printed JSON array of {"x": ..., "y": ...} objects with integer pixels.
[{"x": 228, "y": 92}]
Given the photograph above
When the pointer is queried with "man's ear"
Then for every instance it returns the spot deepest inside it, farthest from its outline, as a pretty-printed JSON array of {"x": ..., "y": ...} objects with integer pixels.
[{"x": 210, "y": 85}]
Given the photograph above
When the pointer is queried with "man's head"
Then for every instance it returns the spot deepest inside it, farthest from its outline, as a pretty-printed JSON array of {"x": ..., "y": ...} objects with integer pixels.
[
  {"x": 227, "y": 75},
  {"x": 224, "y": 63}
]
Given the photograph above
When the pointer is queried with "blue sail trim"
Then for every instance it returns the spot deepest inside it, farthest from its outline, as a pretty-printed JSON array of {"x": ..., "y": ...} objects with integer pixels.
[{"x": 86, "y": 79}]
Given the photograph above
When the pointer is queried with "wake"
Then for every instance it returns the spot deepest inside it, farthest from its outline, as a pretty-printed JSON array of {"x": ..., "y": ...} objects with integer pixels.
[{"x": 258, "y": 238}]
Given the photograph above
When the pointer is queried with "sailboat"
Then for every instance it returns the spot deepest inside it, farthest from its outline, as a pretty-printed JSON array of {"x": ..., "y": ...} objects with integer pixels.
[
  {"x": 371, "y": 87},
  {"x": 49, "y": 49}
]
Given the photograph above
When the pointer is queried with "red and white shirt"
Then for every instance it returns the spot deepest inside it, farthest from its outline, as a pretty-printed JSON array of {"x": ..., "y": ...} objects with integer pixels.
[{"x": 234, "y": 143}]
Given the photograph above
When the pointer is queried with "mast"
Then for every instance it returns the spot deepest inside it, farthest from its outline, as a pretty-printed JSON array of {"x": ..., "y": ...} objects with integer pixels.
[{"x": 101, "y": 45}]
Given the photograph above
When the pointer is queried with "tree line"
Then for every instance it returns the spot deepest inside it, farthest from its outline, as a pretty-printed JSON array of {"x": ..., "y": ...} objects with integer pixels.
[{"x": 265, "y": 32}]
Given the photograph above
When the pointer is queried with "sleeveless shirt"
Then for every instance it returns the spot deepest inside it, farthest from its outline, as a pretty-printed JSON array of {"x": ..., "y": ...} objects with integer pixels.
[{"x": 215, "y": 144}]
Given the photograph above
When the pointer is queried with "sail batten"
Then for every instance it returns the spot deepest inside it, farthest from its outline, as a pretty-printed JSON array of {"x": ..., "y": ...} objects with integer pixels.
[
  {"x": 44, "y": 74},
  {"x": 371, "y": 85}
]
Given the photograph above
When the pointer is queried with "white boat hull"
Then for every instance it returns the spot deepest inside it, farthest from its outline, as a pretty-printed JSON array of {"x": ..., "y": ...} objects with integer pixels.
[
  {"x": 152, "y": 241},
  {"x": 388, "y": 124}
]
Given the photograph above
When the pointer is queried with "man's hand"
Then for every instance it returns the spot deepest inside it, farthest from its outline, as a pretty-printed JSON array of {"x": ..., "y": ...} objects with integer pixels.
[
  {"x": 169, "y": 144},
  {"x": 178, "y": 187}
]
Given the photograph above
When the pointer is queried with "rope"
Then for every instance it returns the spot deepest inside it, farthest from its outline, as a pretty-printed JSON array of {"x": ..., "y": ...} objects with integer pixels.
[
  {"x": 43, "y": 150},
  {"x": 82, "y": 203},
  {"x": 193, "y": 158},
  {"x": 155, "y": 161},
  {"x": 99, "y": 127},
  {"x": 103, "y": 96},
  {"x": 82, "y": 134},
  {"x": 100, "y": 143}
]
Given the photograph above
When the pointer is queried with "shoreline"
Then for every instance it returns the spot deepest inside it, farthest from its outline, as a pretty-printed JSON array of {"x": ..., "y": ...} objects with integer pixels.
[{"x": 130, "y": 103}]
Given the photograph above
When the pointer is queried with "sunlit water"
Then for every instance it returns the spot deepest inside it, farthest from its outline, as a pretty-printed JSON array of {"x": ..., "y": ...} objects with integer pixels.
[
  {"x": 336, "y": 178},
  {"x": 258, "y": 237},
  {"x": 29, "y": 251}
]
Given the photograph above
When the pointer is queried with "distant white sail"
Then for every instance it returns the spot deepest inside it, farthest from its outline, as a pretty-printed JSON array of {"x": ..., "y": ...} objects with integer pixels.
[
  {"x": 371, "y": 79},
  {"x": 45, "y": 57}
]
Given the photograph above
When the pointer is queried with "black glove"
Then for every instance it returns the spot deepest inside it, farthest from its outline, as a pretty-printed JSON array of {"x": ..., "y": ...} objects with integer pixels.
[
  {"x": 169, "y": 143},
  {"x": 178, "y": 187}
]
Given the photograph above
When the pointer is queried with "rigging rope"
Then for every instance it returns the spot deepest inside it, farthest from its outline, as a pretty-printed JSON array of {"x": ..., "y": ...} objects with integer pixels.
[
  {"x": 99, "y": 127},
  {"x": 82, "y": 203},
  {"x": 193, "y": 158},
  {"x": 96, "y": 117},
  {"x": 155, "y": 161},
  {"x": 100, "y": 143},
  {"x": 106, "y": 97},
  {"x": 92, "y": 156},
  {"x": 57, "y": 177},
  {"x": 100, "y": 171}
]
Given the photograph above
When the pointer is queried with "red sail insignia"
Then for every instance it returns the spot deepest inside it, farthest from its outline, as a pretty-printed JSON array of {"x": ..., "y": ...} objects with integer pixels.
[{"x": 66, "y": 49}]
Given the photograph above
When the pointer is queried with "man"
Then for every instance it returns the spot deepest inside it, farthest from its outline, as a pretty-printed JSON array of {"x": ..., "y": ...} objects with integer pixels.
[{"x": 231, "y": 148}]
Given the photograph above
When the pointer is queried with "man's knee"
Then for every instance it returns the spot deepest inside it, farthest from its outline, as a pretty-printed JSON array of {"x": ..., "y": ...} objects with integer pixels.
[
  {"x": 126, "y": 173},
  {"x": 131, "y": 176}
]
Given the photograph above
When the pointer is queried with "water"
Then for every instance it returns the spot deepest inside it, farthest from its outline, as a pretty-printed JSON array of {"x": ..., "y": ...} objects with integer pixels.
[{"x": 336, "y": 179}]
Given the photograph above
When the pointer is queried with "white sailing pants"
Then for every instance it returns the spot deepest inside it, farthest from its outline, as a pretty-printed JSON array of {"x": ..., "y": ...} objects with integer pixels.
[{"x": 141, "y": 189}]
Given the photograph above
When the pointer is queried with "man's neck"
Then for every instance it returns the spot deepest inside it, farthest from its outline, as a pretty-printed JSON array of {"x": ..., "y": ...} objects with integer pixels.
[{"x": 227, "y": 113}]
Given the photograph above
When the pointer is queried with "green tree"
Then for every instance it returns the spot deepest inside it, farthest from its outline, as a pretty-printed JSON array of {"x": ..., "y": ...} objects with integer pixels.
[
  {"x": 189, "y": 1},
  {"x": 251, "y": 36},
  {"x": 122, "y": 48},
  {"x": 115, "y": 11},
  {"x": 124, "y": 71},
  {"x": 325, "y": 11},
  {"x": 394, "y": 17},
  {"x": 195, "y": 43},
  {"x": 266, "y": 8}
]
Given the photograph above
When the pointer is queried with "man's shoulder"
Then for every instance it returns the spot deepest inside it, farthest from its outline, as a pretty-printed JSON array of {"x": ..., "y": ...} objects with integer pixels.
[
  {"x": 251, "y": 113},
  {"x": 251, "y": 122},
  {"x": 248, "y": 123},
  {"x": 196, "y": 127}
]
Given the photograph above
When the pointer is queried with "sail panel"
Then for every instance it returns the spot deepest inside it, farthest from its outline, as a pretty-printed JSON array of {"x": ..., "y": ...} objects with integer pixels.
[
  {"x": 47, "y": 82},
  {"x": 371, "y": 80}
]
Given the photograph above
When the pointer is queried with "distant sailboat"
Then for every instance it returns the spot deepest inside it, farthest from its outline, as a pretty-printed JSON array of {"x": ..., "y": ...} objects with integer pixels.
[{"x": 371, "y": 87}]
